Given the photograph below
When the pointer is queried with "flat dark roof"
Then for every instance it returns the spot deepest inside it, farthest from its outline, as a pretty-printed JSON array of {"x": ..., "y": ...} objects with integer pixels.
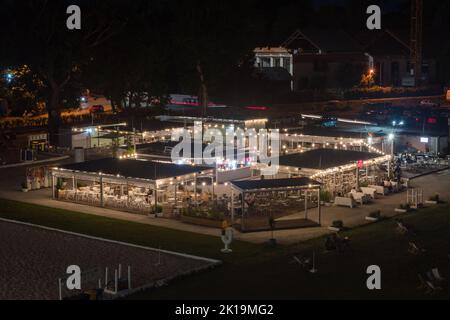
[
  {"x": 274, "y": 183},
  {"x": 162, "y": 147},
  {"x": 324, "y": 158},
  {"x": 352, "y": 132},
  {"x": 140, "y": 169}
]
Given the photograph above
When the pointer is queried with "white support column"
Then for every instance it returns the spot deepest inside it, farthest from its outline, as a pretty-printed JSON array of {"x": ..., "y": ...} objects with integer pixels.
[
  {"x": 195, "y": 190},
  {"x": 243, "y": 210},
  {"x": 53, "y": 187},
  {"x": 176, "y": 189},
  {"x": 320, "y": 207},
  {"x": 212, "y": 188},
  {"x": 232, "y": 206},
  {"x": 102, "y": 202},
  {"x": 306, "y": 204},
  {"x": 156, "y": 198},
  {"x": 128, "y": 195},
  {"x": 357, "y": 178}
]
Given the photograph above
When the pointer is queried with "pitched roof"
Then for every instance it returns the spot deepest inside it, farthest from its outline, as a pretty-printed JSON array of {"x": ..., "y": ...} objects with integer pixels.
[
  {"x": 386, "y": 42},
  {"x": 325, "y": 40}
]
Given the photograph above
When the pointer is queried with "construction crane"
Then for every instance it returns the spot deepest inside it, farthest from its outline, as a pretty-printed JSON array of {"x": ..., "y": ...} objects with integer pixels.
[{"x": 416, "y": 39}]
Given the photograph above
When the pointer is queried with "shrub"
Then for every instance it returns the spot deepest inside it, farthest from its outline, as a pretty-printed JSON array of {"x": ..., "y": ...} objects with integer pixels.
[
  {"x": 375, "y": 214},
  {"x": 59, "y": 185},
  {"x": 196, "y": 213},
  {"x": 159, "y": 209},
  {"x": 364, "y": 184},
  {"x": 325, "y": 196},
  {"x": 435, "y": 198},
  {"x": 405, "y": 206},
  {"x": 339, "y": 224},
  {"x": 216, "y": 215},
  {"x": 81, "y": 185}
]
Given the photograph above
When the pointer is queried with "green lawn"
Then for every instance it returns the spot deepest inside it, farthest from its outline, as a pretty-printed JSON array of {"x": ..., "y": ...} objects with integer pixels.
[{"x": 258, "y": 271}]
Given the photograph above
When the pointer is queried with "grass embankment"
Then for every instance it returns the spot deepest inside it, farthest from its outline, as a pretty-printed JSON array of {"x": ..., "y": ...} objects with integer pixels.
[{"x": 258, "y": 271}]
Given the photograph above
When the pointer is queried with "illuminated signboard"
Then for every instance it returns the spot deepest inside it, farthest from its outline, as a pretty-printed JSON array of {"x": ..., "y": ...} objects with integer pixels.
[{"x": 360, "y": 164}]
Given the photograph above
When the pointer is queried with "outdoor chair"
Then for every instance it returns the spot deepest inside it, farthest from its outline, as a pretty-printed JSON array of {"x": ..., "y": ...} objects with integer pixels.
[
  {"x": 381, "y": 190},
  {"x": 330, "y": 243},
  {"x": 343, "y": 245},
  {"x": 414, "y": 249},
  {"x": 62, "y": 194},
  {"x": 369, "y": 192},
  {"x": 436, "y": 274},
  {"x": 302, "y": 262},
  {"x": 403, "y": 229},
  {"x": 122, "y": 201},
  {"x": 427, "y": 285},
  {"x": 359, "y": 197},
  {"x": 70, "y": 195},
  {"x": 345, "y": 202}
]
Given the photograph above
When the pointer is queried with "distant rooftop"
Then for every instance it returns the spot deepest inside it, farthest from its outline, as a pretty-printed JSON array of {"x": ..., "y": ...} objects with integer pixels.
[
  {"x": 221, "y": 117},
  {"x": 321, "y": 159},
  {"x": 272, "y": 50},
  {"x": 324, "y": 40}
]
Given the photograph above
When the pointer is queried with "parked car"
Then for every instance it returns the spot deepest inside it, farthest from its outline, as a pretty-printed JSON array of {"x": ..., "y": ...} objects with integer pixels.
[
  {"x": 97, "y": 109},
  {"x": 428, "y": 103},
  {"x": 257, "y": 108}
]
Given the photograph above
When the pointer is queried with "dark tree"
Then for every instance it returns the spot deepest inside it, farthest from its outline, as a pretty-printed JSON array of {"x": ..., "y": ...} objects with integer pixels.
[
  {"x": 35, "y": 34},
  {"x": 209, "y": 40}
]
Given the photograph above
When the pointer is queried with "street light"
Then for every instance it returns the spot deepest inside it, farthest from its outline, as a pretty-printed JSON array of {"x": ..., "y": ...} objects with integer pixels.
[{"x": 9, "y": 77}]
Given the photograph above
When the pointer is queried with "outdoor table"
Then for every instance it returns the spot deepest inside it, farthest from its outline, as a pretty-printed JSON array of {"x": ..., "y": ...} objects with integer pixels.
[{"x": 140, "y": 194}]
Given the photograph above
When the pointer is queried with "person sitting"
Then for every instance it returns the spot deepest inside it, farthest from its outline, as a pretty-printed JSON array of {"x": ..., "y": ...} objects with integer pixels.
[
  {"x": 414, "y": 249},
  {"x": 330, "y": 243},
  {"x": 343, "y": 244}
]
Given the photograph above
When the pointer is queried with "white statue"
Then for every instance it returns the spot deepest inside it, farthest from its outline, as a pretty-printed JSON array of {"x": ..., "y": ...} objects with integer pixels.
[{"x": 227, "y": 238}]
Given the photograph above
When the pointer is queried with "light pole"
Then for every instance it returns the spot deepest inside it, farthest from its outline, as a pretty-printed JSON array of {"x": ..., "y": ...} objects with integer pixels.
[{"x": 391, "y": 138}]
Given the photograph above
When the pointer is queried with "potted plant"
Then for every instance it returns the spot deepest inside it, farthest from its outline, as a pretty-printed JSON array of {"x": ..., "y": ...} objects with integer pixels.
[
  {"x": 211, "y": 218},
  {"x": 156, "y": 212},
  {"x": 59, "y": 186},
  {"x": 433, "y": 200},
  {"x": 337, "y": 226},
  {"x": 272, "y": 240},
  {"x": 404, "y": 208},
  {"x": 374, "y": 216},
  {"x": 24, "y": 187},
  {"x": 325, "y": 198},
  {"x": 364, "y": 185}
]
